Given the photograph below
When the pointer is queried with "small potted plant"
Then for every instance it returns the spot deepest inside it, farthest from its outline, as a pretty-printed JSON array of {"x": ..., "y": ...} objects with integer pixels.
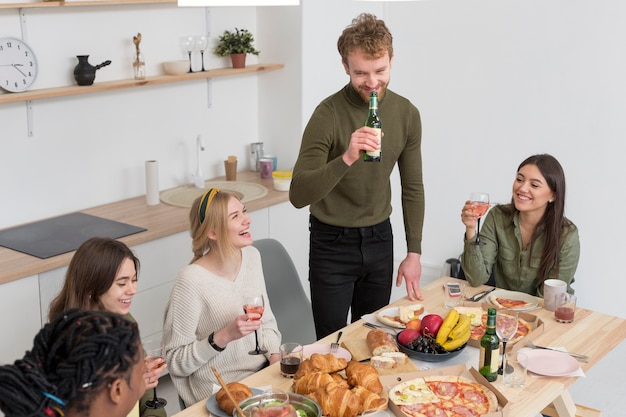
[{"x": 237, "y": 44}]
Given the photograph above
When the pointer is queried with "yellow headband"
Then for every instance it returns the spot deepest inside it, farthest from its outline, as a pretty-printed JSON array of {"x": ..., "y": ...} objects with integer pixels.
[{"x": 205, "y": 202}]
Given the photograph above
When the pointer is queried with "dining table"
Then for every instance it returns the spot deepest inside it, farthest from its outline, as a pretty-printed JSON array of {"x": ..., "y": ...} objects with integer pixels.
[{"x": 591, "y": 333}]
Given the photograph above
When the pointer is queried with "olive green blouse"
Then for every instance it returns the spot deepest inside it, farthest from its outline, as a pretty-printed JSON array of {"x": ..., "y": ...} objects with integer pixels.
[{"x": 516, "y": 268}]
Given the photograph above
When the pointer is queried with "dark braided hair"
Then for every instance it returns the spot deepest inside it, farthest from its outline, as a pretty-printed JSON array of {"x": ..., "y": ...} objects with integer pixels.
[{"x": 73, "y": 359}]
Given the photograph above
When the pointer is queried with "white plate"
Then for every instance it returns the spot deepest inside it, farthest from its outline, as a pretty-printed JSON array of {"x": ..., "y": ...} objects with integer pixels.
[
  {"x": 550, "y": 363},
  {"x": 215, "y": 409},
  {"x": 308, "y": 350},
  {"x": 515, "y": 295},
  {"x": 390, "y": 311}
]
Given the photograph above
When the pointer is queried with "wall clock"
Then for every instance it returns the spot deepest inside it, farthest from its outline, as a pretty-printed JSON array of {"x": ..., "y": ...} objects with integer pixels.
[{"x": 18, "y": 65}]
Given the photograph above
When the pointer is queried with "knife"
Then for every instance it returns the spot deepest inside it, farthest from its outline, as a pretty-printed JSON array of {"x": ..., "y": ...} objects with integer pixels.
[{"x": 480, "y": 295}]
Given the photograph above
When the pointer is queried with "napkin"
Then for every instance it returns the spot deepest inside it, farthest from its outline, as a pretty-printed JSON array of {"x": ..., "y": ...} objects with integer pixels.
[{"x": 578, "y": 373}]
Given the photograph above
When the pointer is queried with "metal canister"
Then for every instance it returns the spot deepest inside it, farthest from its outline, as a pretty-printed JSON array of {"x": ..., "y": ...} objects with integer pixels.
[{"x": 256, "y": 152}]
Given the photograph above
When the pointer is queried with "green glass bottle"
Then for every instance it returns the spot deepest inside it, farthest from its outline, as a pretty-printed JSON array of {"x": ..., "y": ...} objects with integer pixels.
[
  {"x": 373, "y": 121},
  {"x": 490, "y": 349}
]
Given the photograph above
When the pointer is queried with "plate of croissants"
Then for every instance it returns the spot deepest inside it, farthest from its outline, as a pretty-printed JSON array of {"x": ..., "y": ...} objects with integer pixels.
[
  {"x": 342, "y": 388},
  {"x": 220, "y": 405}
]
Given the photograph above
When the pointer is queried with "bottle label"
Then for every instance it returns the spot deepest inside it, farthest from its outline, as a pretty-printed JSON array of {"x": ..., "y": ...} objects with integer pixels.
[
  {"x": 490, "y": 358},
  {"x": 376, "y": 153}
]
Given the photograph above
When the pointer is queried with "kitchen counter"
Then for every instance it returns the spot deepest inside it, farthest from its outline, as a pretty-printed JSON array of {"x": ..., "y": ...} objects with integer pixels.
[{"x": 160, "y": 221}]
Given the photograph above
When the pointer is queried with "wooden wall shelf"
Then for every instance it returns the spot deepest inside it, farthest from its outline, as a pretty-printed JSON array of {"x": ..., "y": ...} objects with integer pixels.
[
  {"x": 129, "y": 83},
  {"x": 39, "y": 4}
]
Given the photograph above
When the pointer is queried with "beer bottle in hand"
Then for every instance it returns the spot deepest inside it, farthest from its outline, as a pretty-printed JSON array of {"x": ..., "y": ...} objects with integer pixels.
[
  {"x": 490, "y": 349},
  {"x": 373, "y": 121}
]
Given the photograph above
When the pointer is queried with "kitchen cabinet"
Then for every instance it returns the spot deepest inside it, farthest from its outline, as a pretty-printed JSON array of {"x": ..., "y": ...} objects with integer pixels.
[{"x": 19, "y": 317}]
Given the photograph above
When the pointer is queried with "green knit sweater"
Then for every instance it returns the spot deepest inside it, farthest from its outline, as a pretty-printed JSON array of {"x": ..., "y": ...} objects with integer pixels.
[{"x": 360, "y": 195}]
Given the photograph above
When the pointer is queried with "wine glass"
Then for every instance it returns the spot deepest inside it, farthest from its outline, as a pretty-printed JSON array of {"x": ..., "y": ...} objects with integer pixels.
[
  {"x": 254, "y": 304},
  {"x": 480, "y": 205},
  {"x": 188, "y": 43},
  {"x": 202, "y": 43},
  {"x": 155, "y": 353},
  {"x": 506, "y": 327}
]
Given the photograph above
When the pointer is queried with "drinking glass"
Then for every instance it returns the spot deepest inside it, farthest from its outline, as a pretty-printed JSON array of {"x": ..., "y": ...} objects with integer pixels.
[
  {"x": 202, "y": 43},
  {"x": 254, "y": 304},
  {"x": 155, "y": 353},
  {"x": 506, "y": 327},
  {"x": 480, "y": 205},
  {"x": 188, "y": 43}
]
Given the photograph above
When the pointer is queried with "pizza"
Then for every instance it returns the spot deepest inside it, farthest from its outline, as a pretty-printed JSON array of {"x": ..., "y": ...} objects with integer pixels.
[
  {"x": 405, "y": 315},
  {"x": 443, "y": 396},
  {"x": 508, "y": 302},
  {"x": 523, "y": 327}
]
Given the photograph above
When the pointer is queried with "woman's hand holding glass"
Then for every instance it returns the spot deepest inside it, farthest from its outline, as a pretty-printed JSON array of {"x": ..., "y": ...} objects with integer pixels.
[{"x": 154, "y": 368}]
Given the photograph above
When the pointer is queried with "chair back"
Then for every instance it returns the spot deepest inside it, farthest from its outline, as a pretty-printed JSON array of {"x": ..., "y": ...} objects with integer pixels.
[{"x": 289, "y": 302}]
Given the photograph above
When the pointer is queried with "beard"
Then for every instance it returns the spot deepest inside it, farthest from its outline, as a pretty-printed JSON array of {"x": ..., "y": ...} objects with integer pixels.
[{"x": 364, "y": 92}]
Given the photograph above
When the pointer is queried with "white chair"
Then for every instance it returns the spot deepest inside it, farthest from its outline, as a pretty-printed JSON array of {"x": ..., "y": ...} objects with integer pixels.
[{"x": 289, "y": 302}]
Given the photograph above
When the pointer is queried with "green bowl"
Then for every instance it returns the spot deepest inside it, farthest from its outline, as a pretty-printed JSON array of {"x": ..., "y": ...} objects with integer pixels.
[{"x": 300, "y": 402}]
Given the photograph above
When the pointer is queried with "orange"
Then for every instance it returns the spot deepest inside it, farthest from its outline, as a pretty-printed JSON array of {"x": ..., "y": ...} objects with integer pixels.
[{"x": 414, "y": 324}]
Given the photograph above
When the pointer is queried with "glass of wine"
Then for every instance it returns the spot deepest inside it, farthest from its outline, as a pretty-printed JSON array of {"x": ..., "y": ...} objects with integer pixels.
[
  {"x": 202, "y": 43},
  {"x": 188, "y": 43},
  {"x": 506, "y": 327},
  {"x": 153, "y": 353},
  {"x": 480, "y": 205},
  {"x": 254, "y": 304}
]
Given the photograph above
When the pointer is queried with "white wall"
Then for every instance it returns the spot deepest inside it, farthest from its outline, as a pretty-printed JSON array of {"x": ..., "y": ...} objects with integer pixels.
[{"x": 495, "y": 80}]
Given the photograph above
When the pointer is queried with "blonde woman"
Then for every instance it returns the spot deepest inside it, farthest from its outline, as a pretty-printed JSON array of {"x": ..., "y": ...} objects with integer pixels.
[{"x": 205, "y": 324}]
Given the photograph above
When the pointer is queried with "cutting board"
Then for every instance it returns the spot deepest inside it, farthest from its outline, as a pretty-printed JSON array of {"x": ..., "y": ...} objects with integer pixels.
[{"x": 359, "y": 351}]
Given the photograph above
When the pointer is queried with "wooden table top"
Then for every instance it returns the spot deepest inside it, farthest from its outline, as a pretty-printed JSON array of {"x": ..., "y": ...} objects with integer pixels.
[{"x": 592, "y": 333}]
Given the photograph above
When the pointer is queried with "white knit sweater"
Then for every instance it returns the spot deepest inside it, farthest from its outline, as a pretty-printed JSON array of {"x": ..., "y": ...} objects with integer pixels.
[{"x": 202, "y": 303}]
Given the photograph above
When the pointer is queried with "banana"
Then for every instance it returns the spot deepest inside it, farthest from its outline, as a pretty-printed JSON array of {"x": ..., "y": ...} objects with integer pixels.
[
  {"x": 446, "y": 327},
  {"x": 461, "y": 327},
  {"x": 459, "y": 335}
]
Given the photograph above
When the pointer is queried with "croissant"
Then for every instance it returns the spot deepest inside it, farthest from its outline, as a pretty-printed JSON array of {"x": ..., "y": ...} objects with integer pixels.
[
  {"x": 311, "y": 382},
  {"x": 369, "y": 400},
  {"x": 239, "y": 392},
  {"x": 327, "y": 363},
  {"x": 340, "y": 380},
  {"x": 364, "y": 375},
  {"x": 337, "y": 401}
]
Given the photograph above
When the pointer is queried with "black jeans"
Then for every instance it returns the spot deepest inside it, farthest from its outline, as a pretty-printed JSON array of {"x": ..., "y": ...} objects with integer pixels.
[{"x": 348, "y": 268}]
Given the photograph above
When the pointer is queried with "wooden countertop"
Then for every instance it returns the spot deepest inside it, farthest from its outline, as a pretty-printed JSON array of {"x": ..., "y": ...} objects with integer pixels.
[{"x": 161, "y": 221}]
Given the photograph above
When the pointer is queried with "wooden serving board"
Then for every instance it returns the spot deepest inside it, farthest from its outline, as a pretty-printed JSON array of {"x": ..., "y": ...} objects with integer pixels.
[{"x": 359, "y": 351}]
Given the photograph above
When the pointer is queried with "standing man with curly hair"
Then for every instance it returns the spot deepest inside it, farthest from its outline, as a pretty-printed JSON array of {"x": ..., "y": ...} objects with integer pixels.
[{"x": 351, "y": 241}]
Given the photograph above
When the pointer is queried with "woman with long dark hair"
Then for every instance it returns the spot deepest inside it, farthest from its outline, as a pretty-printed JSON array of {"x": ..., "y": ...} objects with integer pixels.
[{"x": 528, "y": 240}]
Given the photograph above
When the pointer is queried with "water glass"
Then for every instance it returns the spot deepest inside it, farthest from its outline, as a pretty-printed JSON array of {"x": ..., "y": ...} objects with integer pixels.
[{"x": 514, "y": 369}]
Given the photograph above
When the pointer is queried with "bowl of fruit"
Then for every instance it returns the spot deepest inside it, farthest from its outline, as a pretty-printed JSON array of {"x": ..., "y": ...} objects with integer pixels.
[{"x": 438, "y": 339}]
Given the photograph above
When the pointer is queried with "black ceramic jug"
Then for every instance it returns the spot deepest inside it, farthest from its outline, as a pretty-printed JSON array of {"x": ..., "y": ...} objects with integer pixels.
[{"x": 84, "y": 72}]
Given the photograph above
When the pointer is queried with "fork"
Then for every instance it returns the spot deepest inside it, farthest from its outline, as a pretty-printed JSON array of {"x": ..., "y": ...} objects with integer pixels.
[
  {"x": 581, "y": 358},
  {"x": 334, "y": 347}
]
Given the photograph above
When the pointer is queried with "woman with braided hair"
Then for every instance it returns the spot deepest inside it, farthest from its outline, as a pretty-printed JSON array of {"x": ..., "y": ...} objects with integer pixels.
[
  {"x": 102, "y": 276},
  {"x": 83, "y": 363},
  {"x": 204, "y": 322}
]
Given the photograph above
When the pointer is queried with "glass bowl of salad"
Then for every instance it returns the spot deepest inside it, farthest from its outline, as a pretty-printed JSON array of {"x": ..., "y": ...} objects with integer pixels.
[{"x": 279, "y": 404}]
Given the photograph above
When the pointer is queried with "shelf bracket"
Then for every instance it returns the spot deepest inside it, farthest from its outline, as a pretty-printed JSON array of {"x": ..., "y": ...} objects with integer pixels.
[
  {"x": 29, "y": 117},
  {"x": 209, "y": 90}
]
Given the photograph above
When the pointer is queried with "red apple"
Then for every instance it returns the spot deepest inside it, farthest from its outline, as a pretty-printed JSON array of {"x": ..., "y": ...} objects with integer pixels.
[
  {"x": 431, "y": 324},
  {"x": 406, "y": 336}
]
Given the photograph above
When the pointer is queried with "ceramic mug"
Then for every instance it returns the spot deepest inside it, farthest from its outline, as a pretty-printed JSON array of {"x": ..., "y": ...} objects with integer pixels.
[{"x": 552, "y": 287}]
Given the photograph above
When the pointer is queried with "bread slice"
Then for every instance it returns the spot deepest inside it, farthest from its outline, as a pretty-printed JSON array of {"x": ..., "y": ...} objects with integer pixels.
[
  {"x": 382, "y": 362},
  {"x": 399, "y": 357},
  {"x": 410, "y": 312}
]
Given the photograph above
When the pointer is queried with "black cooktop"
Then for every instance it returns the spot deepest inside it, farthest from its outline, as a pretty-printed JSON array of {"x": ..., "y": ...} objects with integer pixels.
[{"x": 58, "y": 235}]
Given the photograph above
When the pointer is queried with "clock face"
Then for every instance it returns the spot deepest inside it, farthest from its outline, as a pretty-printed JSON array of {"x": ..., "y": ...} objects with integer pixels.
[{"x": 18, "y": 65}]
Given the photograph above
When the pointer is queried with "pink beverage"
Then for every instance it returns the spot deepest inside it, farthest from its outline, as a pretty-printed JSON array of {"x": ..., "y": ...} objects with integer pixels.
[
  {"x": 564, "y": 314},
  {"x": 289, "y": 366},
  {"x": 252, "y": 309},
  {"x": 479, "y": 208}
]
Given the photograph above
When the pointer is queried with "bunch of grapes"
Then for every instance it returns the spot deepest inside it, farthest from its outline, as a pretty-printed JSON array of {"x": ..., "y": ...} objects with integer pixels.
[{"x": 426, "y": 344}]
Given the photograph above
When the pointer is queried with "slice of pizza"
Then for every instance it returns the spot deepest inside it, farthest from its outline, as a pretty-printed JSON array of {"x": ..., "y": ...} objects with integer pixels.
[
  {"x": 508, "y": 302},
  {"x": 414, "y": 391}
]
